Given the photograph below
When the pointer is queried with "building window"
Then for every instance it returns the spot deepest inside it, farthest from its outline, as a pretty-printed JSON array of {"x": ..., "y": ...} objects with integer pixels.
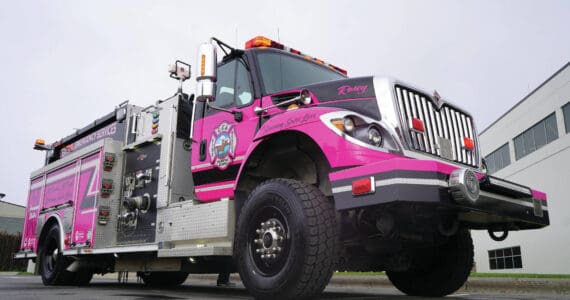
[
  {"x": 537, "y": 136},
  {"x": 506, "y": 258},
  {"x": 566, "y": 110},
  {"x": 498, "y": 159}
]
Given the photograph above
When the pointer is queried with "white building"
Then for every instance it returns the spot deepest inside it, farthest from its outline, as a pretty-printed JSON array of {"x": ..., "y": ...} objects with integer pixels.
[
  {"x": 11, "y": 217},
  {"x": 530, "y": 144}
]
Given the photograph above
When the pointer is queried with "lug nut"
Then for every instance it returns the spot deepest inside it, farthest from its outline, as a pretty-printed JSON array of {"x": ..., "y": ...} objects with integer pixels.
[
  {"x": 262, "y": 224},
  {"x": 273, "y": 256},
  {"x": 257, "y": 250},
  {"x": 258, "y": 231}
]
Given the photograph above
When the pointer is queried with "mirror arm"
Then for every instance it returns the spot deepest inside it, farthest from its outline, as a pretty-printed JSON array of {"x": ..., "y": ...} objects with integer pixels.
[
  {"x": 238, "y": 115},
  {"x": 258, "y": 110}
]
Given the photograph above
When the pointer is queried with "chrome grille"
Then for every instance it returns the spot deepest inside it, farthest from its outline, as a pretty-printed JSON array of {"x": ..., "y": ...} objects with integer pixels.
[{"x": 440, "y": 124}]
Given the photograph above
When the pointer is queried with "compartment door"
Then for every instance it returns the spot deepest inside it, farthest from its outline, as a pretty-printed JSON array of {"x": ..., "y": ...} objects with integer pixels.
[
  {"x": 87, "y": 188},
  {"x": 29, "y": 239}
]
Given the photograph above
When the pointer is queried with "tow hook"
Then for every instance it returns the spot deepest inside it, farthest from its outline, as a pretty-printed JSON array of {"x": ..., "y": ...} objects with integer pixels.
[{"x": 498, "y": 238}]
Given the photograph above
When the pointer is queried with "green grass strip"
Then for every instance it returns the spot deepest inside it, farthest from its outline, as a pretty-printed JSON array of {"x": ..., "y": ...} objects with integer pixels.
[
  {"x": 480, "y": 275},
  {"x": 520, "y": 275}
]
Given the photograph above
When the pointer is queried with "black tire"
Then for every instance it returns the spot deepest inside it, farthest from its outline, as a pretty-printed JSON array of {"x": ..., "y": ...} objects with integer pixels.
[
  {"x": 52, "y": 262},
  {"x": 299, "y": 235},
  {"x": 438, "y": 271},
  {"x": 163, "y": 278}
]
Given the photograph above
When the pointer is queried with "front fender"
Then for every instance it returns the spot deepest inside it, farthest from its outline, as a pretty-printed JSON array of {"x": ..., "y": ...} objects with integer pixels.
[{"x": 338, "y": 151}]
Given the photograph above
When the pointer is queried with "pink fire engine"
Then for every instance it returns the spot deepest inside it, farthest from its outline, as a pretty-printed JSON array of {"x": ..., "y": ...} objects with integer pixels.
[{"x": 279, "y": 167}]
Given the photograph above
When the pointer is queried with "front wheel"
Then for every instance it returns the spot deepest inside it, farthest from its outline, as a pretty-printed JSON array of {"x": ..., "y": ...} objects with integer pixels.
[
  {"x": 438, "y": 271},
  {"x": 286, "y": 241}
]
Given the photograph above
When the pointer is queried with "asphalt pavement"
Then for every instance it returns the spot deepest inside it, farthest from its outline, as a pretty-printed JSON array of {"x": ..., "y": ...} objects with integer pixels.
[{"x": 203, "y": 287}]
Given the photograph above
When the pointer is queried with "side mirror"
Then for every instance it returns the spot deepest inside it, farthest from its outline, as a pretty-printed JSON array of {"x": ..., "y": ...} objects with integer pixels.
[{"x": 207, "y": 73}]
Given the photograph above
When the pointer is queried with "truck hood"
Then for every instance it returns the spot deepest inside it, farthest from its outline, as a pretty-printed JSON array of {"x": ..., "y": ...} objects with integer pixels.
[{"x": 355, "y": 94}]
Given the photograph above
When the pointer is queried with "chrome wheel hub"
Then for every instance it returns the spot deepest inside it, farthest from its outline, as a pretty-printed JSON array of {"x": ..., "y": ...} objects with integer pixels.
[{"x": 270, "y": 237}]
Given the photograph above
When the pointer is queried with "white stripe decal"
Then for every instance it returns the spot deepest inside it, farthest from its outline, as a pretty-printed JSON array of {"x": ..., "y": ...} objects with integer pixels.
[
  {"x": 414, "y": 181},
  {"x": 36, "y": 185},
  {"x": 342, "y": 189},
  {"x": 65, "y": 174},
  {"x": 393, "y": 181},
  {"x": 89, "y": 211},
  {"x": 72, "y": 171},
  {"x": 201, "y": 166},
  {"x": 215, "y": 188}
]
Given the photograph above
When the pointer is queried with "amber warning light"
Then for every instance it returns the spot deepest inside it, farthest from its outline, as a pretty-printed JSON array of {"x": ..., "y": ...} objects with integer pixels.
[{"x": 40, "y": 144}]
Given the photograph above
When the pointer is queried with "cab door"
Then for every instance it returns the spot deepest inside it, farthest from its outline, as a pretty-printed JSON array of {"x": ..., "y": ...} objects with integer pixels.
[{"x": 222, "y": 137}]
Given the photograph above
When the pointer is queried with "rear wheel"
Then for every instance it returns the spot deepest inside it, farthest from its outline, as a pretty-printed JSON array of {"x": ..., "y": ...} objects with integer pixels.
[
  {"x": 163, "y": 278},
  {"x": 52, "y": 261},
  {"x": 438, "y": 271},
  {"x": 286, "y": 241}
]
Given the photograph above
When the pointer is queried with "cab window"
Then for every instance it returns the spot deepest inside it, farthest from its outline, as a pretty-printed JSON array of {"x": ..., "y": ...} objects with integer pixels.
[{"x": 233, "y": 85}]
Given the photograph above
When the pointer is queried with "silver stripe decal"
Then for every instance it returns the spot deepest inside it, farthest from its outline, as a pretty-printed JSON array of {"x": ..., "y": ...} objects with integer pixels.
[{"x": 514, "y": 201}]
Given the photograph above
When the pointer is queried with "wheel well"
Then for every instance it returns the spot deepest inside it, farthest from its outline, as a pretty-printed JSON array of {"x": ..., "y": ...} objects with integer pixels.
[
  {"x": 45, "y": 228},
  {"x": 289, "y": 154}
]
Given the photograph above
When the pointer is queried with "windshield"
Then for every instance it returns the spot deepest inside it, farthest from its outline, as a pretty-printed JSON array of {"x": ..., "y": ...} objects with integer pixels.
[{"x": 284, "y": 72}]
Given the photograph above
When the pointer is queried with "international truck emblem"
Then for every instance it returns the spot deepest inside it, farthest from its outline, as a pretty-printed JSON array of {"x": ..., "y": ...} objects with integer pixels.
[
  {"x": 436, "y": 96},
  {"x": 223, "y": 146}
]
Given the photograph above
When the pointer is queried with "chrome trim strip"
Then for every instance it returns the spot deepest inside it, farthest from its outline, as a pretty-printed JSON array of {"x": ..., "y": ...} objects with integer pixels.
[{"x": 137, "y": 248}]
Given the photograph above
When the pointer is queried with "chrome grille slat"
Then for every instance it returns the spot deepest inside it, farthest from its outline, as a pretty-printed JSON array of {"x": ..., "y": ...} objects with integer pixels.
[
  {"x": 470, "y": 132},
  {"x": 427, "y": 121},
  {"x": 445, "y": 122},
  {"x": 421, "y": 117}
]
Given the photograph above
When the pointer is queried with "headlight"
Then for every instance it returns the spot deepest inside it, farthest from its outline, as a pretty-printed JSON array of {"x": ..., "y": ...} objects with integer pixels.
[
  {"x": 348, "y": 124},
  {"x": 374, "y": 136},
  {"x": 361, "y": 130}
]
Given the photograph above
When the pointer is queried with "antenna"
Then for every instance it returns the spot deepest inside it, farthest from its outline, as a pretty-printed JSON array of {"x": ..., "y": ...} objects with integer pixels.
[{"x": 278, "y": 37}]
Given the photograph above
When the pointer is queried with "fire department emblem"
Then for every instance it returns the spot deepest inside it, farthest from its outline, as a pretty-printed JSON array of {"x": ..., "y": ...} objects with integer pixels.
[{"x": 223, "y": 146}]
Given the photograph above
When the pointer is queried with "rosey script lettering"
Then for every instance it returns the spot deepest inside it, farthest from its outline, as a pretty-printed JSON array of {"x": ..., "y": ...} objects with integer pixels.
[{"x": 347, "y": 89}]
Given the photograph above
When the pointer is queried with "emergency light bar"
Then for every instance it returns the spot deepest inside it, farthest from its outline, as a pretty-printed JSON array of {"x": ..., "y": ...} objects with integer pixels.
[{"x": 263, "y": 42}]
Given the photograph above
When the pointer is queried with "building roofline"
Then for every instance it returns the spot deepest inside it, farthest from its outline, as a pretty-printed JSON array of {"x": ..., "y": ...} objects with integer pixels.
[
  {"x": 526, "y": 97},
  {"x": 12, "y": 204}
]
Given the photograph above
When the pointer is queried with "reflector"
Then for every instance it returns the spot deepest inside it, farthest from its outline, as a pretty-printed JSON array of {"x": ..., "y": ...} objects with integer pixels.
[
  {"x": 418, "y": 124},
  {"x": 363, "y": 186},
  {"x": 468, "y": 143}
]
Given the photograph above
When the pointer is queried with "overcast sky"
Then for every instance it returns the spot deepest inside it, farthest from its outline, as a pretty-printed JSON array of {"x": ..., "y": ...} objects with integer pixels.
[{"x": 66, "y": 63}]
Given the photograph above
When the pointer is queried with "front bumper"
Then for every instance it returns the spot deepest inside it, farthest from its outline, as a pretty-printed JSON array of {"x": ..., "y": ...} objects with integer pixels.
[{"x": 498, "y": 204}]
